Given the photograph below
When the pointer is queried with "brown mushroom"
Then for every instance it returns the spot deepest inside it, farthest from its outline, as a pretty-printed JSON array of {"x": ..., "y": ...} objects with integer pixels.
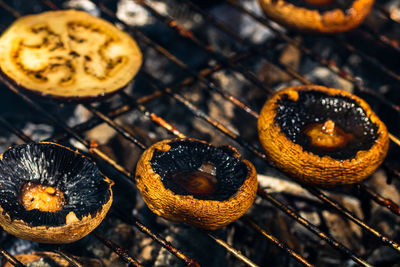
[
  {"x": 191, "y": 181},
  {"x": 318, "y": 16},
  {"x": 44, "y": 258},
  {"x": 68, "y": 55},
  {"x": 50, "y": 193},
  {"x": 322, "y": 136}
]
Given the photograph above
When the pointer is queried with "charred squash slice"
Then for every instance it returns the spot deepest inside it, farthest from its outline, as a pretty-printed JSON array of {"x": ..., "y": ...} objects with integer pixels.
[{"x": 69, "y": 55}]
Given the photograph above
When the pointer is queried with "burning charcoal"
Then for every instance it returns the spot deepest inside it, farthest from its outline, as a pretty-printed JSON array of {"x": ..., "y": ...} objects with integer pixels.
[{"x": 270, "y": 74}]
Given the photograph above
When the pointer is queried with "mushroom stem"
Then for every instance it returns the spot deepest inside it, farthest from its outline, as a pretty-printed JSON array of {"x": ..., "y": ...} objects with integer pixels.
[
  {"x": 327, "y": 136},
  {"x": 328, "y": 127},
  {"x": 41, "y": 197}
]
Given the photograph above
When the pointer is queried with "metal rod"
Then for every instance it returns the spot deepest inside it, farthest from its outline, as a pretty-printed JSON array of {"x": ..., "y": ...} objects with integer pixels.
[
  {"x": 386, "y": 202},
  {"x": 233, "y": 251},
  {"x": 122, "y": 253},
  {"x": 68, "y": 129},
  {"x": 164, "y": 243},
  {"x": 116, "y": 126},
  {"x": 387, "y": 14},
  {"x": 169, "y": 92},
  {"x": 352, "y": 217},
  {"x": 71, "y": 259},
  {"x": 15, "y": 131},
  {"x": 309, "y": 52},
  {"x": 274, "y": 240},
  {"x": 326, "y": 237},
  {"x": 171, "y": 23},
  {"x": 10, "y": 258}
]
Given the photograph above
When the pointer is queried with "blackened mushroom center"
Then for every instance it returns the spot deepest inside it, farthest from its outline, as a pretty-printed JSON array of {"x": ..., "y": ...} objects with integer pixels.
[
  {"x": 326, "y": 125},
  {"x": 323, "y": 5},
  {"x": 198, "y": 182},
  {"x": 201, "y": 170}
]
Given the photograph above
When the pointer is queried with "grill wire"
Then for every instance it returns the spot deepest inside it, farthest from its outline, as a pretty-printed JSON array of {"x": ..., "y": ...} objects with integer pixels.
[{"x": 174, "y": 91}]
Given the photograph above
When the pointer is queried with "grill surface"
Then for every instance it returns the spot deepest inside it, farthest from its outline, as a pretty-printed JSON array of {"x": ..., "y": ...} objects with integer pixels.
[{"x": 201, "y": 78}]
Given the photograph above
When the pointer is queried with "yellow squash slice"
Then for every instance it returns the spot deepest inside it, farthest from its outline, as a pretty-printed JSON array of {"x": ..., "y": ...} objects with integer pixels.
[{"x": 68, "y": 54}]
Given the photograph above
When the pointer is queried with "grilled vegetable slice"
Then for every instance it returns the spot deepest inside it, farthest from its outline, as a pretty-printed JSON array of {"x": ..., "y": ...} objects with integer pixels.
[{"x": 68, "y": 54}]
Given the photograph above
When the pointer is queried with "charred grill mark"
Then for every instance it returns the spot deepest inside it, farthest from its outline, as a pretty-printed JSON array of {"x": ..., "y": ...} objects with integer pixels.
[{"x": 69, "y": 57}]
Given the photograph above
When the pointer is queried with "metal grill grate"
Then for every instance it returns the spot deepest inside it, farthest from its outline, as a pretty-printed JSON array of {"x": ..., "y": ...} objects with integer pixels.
[{"x": 174, "y": 92}]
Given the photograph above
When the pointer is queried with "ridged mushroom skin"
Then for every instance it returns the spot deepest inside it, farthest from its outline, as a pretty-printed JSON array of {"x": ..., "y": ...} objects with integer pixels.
[
  {"x": 310, "y": 20},
  {"x": 287, "y": 116},
  {"x": 87, "y": 193},
  {"x": 236, "y": 184}
]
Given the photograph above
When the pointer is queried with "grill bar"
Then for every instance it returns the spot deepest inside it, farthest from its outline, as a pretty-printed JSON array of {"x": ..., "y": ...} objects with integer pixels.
[
  {"x": 170, "y": 22},
  {"x": 387, "y": 13},
  {"x": 386, "y": 202},
  {"x": 287, "y": 69},
  {"x": 72, "y": 133},
  {"x": 273, "y": 239},
  {"x": 277, "y": 203},
  {"x": 68, "y": 257},
  {"x": 122, "y": 253},
  {"x": 14, "y": 130},
  {"x": 368, "y": 58},
  {"x": 160, "y": 120},
  {"x": 164, "y": 243},
  {"x": 380, "y": 200},
  {"x": 329, "y": 64},
  {"x": 381, "y": 38},
  {"x": 352, "y": 217},
  {"x": 294, "y": 75},
  {"x": 10, "y": 258},
  {"x": 115, "y": 126},
  {"x": 224, "y": 62},
  {"x": 284, "y": 36},
  {"x": 231, "y": 250},
  {"x": 331, "y": 241}
]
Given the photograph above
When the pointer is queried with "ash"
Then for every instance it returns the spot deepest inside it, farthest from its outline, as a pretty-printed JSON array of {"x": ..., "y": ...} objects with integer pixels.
[{"x": 272, "y": 52}]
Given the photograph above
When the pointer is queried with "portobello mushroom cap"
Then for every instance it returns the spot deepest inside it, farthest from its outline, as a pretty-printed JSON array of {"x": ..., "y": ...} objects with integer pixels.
[
  {"x": 50, "y": 193},
  {"x": 50, "y": 259},
  {"x": 322, "y": 136},
  {"x": 318, "y": 16},
  {"x": 191, "y": 181}
]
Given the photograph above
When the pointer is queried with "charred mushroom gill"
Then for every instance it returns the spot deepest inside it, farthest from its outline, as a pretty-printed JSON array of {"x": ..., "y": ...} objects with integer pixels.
[
  {"x": 69, "y": 55},
  {"x": 51, "y": 194},
  {"x": 322, "y": 136},
  {"x": 318, "y": 16},
  {"x": 190, "y": 181}
]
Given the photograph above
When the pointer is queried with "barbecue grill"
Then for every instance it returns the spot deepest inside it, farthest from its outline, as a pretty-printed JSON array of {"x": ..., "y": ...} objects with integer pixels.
[{"x": 208, "y": 69}]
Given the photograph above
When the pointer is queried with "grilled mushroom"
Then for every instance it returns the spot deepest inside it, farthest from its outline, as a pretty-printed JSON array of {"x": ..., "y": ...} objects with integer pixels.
[
  {"x": 318, "y": 16},
  {"x": 191, "y": 181},
  {"x": 68, "y": 55},
  {"x": 50, "y": 259},
  {"x": 50, "y": 193},
  {"x": 322, "y": 136}
]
